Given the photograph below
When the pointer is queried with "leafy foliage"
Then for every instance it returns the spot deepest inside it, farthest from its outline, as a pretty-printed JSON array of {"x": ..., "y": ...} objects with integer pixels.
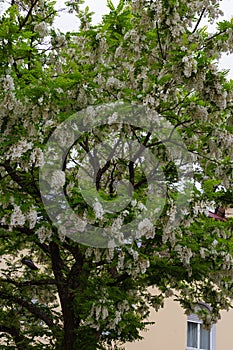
[{"x": 150, "y": 53}]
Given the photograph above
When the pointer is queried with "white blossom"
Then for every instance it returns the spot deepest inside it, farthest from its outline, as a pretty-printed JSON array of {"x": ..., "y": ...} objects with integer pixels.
[
  {"x": 110, "y": 254},
  {"x": 44, "y": 234},
  {"x": 58, "y": 179},
  {"x": 203, "y": 252},
  {"x": 37, "y": 157},
  {"x": 116, "y": 320},
  {"x": 111, "y": 244},
  {"x": 62, "y": 233},
  {"x": 8, "y": 83},
  {"x": 134, "y": 203},
  {"x": 143, "y": 265},
  {"x": 146, "y": 228},
  {"x": 18, "y": 149},
  {"x": 141, "y": 206},
  {"x": 88, "y": 252},
  {"x": 134, "y": 254},
  {"x": 202, "y": 113},
  {"x": 41, "y": 29},
  {"x": 104, "y": 312},
  {"x": 98, "y": 209},
  {"x": 32, "y": 218},
  {"x": 184, "y": 253},
  {"x": 190, "y": 65},
  {"x": 113, "y": 118},
  {"x": 17, "y": 217},
  {"x": 97, "y": 253},
  {"x": 98, "y": 311},
  {"x": 114, "y": 83},
  {"x": 121, "y": 259}
]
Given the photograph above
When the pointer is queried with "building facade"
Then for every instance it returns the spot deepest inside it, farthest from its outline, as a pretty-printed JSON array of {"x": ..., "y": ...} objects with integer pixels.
[{"x": 173, "y": 330}]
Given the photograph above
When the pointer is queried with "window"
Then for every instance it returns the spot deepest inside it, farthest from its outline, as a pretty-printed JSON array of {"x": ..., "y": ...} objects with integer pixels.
[{"x": 198, "y": 338}]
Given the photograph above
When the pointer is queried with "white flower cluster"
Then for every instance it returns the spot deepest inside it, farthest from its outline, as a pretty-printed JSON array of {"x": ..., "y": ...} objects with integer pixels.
[
  {"x": 17, "y": 217},
  {"x": 32, "y": 218},
  {"x": 113, "y": 118},
  {"x": 41, "y": 29},
  {"x": 116, "y": 227},
  {"x": 146, "y": 228},
  {"x": 101, "y": 312},
  {"x": 203, "y": 252},
  {"x": 89, "y": 251},
  {"x": 121, "y": 260},
  {"x": 9, "y": 103},
  {"x": 143, "y": 265},
  {"x": 62, "y": 233},
  {"x": 65, "y": 136},
  {"x": 228, "y": 261},
  {"x": 134, "y": 254},
  {"x": 61, "y": 40},
  {"x": 176, "y": 25},
  {"x": 58, "y": 179},
  {"x": 221, "y": 100},
  {"x": 190, "y": 65},
  {"x": 37, "y": 157},
  {"x": 184, "y": 253},
  {"x": 78, "y": 224},
  {"x": 98, "y": 312},
  {"x": 18, "y": 149},
  {"x": 168, "y": 229},
  {"x": 81, "y": 224},
  {"x": 113, "y": 83},
  {"x": 8, "y": 83},
  {"x": 98, "y": 254},
  {"x": 44, "y": 234},
  {"x": 110, "y": 254},
  {"x": 98, "y": 209},
  {"x": 132, "y": 35},
  {"x": 201, "y": 113},
  {"x": 200, "y": 208},
  {"x": 119, "y": 52},
  {"x": 116, "y": 320},
  {"x": 225, "y": 138}
]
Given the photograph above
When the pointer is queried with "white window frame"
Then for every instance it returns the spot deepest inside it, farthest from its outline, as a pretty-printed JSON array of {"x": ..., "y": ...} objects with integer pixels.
[
  {"x": 193, "y": 318},
  {"x": 198, "y": 336}
]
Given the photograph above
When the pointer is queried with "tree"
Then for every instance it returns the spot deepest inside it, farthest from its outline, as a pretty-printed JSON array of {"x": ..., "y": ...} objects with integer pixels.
[{"x": 150, "y": 57}]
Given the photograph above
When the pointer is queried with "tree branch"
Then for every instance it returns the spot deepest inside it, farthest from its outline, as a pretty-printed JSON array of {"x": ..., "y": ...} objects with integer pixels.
[
  {"x": 159, "y": 41},
  {"x": 33, "y": 4},
  {"x": 33, "y": 309},
  {"x": 27, "y": 231},
  {"x": 29, "y": 283},
  {"x": 199, "y": 20},
  {"x": 19, "y": 180}
]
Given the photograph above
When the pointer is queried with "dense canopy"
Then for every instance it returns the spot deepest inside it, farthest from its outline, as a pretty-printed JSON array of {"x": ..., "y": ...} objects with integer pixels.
[{"x": 149, "y": 71}]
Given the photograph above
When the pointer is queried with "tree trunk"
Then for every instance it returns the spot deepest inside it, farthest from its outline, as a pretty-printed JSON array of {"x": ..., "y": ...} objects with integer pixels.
[
  {"x": 69, "y": 326},
  {"x": 65, "y": 297}
]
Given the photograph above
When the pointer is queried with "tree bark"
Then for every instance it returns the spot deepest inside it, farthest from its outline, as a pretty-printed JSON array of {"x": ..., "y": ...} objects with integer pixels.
[{"x": 65, "y": 297}]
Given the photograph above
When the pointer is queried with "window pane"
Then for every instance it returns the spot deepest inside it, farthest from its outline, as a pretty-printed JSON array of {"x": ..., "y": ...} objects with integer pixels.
[
  {"x": 204, "y": 339},
  {"x": 192, "y": 335}
]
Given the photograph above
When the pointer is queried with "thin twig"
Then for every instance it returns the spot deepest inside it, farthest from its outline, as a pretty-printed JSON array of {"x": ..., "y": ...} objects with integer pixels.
[
  {"x": 199, "y": 20},
  {"x": 159, "y": 40}
]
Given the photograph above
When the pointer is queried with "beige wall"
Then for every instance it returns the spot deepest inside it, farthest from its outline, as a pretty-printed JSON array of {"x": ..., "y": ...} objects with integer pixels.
[
  {"x": 169, "y": 331},
  {"x": 224, "y": 329}
]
